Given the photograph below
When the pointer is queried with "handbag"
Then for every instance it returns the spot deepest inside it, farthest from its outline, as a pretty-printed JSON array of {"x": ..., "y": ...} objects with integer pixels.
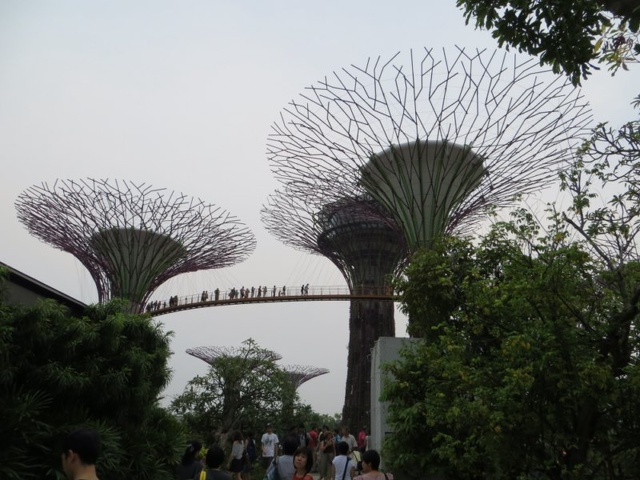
[{"x": 272, "y": 471}]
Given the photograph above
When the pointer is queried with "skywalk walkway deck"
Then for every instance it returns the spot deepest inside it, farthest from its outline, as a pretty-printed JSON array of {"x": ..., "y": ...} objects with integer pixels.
[{"x": 233, "y": 297}]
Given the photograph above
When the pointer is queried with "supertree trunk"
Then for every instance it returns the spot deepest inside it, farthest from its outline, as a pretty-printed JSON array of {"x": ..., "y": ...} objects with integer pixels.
[{"x": 368, "y": 320}]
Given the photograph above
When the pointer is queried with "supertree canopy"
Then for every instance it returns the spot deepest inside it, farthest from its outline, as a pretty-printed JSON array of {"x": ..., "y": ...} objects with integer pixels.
[
  {"x": 356, "y": 234},
  {"x": 132, "y": 237},
  {"x": 300, "y": 374},
  {"x": 432, "y": 143},
  {"x": 212, "y": 354},
  {"x": 436, "y": 140}
]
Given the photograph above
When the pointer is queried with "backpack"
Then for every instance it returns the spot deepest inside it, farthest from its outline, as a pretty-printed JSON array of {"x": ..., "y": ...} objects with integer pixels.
[{"x": 272, "y": 471}]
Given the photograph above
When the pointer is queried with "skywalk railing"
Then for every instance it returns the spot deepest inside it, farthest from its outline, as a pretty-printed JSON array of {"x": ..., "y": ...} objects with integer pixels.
[{"x": 264, "y": 293}]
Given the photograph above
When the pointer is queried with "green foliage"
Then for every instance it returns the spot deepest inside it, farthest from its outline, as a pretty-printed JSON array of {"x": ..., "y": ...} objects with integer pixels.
[
  {"x": 568, "y": 35},
  {"x": 527, "y": 361},
  {"x": 105, "y": 370},
  {"x": 244, "y": 391}
]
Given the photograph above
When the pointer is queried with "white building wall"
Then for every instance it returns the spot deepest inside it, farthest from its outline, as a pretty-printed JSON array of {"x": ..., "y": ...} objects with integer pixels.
[{"x": 385, "y": 349}]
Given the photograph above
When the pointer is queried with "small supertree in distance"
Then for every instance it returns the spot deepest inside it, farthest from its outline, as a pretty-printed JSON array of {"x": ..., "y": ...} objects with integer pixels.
[
  {"x": 436, "y": 140},
  {"x": 299, "y": 374},
  {"x": 367, "y": 246},
  {"x": 132, "y": 237},
  {"x": 211, "y": 355},
  {"x": 243, "y": 384}
]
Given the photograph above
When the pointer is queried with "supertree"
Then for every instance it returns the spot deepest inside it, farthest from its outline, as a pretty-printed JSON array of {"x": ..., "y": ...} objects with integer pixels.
[
  {"x": 132, "y": 237},
  {"x": 367, "y": 246},
  {"x": 299, "y": 374},
  {"x": 435, "y": 140},
  {"x": 211, "y": 355},
  {"x": 243, "y": 384}
]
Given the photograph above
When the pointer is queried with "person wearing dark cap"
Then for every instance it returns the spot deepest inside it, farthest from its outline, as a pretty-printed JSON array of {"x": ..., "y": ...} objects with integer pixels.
[{"x": 80, "y": 451}]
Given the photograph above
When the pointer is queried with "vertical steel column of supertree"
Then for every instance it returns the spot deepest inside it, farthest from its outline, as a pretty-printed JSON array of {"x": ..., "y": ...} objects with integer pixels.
[
  {"x": 436, "y": 140},
  {"x": 367, "y": 246},
  {"x": 132, "y": 238}
]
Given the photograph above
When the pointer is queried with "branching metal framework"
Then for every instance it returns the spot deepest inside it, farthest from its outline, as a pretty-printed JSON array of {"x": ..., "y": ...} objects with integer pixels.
[
  {"x": 132, "y": 237},
  {"x": 355, "y": 233},
  {"x": 212, "y": 354},
  {"x": 300, "y": 374},
  {"x": 436, "y": 140}
]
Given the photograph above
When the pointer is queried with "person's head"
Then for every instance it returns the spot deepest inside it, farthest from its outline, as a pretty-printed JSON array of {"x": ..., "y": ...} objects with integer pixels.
[
  {"x": 343, "y": 448},
  {"x": 80, "y": 449},
  {"x": 303, "y": 459},
  {"x": 269, "y": 429},
  {"x": 289, "y": 444},
  {"x": 236, "y": 436},
  {"x": 345, "y": 431},
  {"x": 301, "y": 428},
  {"x": 370, "y": 461},
  {"x": 191, "y": 452},
  {"x": 215, "y": 457}
]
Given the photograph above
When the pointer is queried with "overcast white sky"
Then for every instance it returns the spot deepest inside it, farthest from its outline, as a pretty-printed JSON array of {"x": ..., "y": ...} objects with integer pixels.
[{"x": 182, "y": 95}]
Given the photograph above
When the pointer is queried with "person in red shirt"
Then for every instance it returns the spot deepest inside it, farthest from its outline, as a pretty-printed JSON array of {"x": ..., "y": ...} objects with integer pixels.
[
  {"x": 362, "y": 439},
  {"x": 313, "y": 445}
]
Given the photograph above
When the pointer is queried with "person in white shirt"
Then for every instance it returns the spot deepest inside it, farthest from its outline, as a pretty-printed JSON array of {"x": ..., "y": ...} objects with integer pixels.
[
  {"x": 269, "y": 443},
  {"x": 343, "y": 467},
  {"x": 350, "y": 439}
]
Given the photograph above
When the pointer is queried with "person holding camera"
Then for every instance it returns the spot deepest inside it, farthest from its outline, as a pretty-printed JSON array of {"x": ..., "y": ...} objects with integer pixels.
[{"x": 326, "y": 452}]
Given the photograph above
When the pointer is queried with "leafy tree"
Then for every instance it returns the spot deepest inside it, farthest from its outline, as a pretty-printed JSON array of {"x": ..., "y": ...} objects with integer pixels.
[
  {"x": 569, "y": 35},
  {"x": 105, "y": 370},
  {"x": 526, "y": 364},
  {"x": 245, "y": 391}
]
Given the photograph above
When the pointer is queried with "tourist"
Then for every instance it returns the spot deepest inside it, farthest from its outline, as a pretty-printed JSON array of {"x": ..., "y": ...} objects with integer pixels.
[
  {"x": 343, "y": 467},
  {"x": 370, "y": 466},
  {"x": 214, "y": 459},
  {"x": 80, "y": 451},
  {"x": 302, "y": 461},
  {"x": 269, "y": 442},
  {"x": 189, "y": 466},
  {"x": 235, "y": 459}
]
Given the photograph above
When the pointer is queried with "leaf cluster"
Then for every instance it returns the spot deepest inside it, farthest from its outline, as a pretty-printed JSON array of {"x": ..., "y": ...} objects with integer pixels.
[
  {"x": 526, "y": 363},
  {"x": 105, "y": 370},
  {"x": 568, "y": 35}
]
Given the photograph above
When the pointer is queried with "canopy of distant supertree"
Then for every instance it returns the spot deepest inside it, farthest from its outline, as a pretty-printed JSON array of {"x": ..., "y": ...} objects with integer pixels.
[
  {"x": 300, "y": 374},
  {"x": 212, "y": 354},
  {"x": 132, "y": 237},
  {"x": 436, "y": 138}
]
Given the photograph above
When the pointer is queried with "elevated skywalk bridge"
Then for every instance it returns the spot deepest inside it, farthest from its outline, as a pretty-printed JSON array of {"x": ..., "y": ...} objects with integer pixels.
[{"x": 272, "y": 294}]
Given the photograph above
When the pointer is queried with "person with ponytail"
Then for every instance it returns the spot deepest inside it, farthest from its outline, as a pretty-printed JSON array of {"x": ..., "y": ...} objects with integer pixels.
[{"x": 190, "y": 467}]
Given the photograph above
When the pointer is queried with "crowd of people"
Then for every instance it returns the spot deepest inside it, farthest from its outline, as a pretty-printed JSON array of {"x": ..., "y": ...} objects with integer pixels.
[{"x": 333, "y": 454}]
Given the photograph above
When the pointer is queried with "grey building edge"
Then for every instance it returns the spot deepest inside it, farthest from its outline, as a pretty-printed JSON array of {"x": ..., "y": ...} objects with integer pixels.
[{"x": 23, "y": 289}]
